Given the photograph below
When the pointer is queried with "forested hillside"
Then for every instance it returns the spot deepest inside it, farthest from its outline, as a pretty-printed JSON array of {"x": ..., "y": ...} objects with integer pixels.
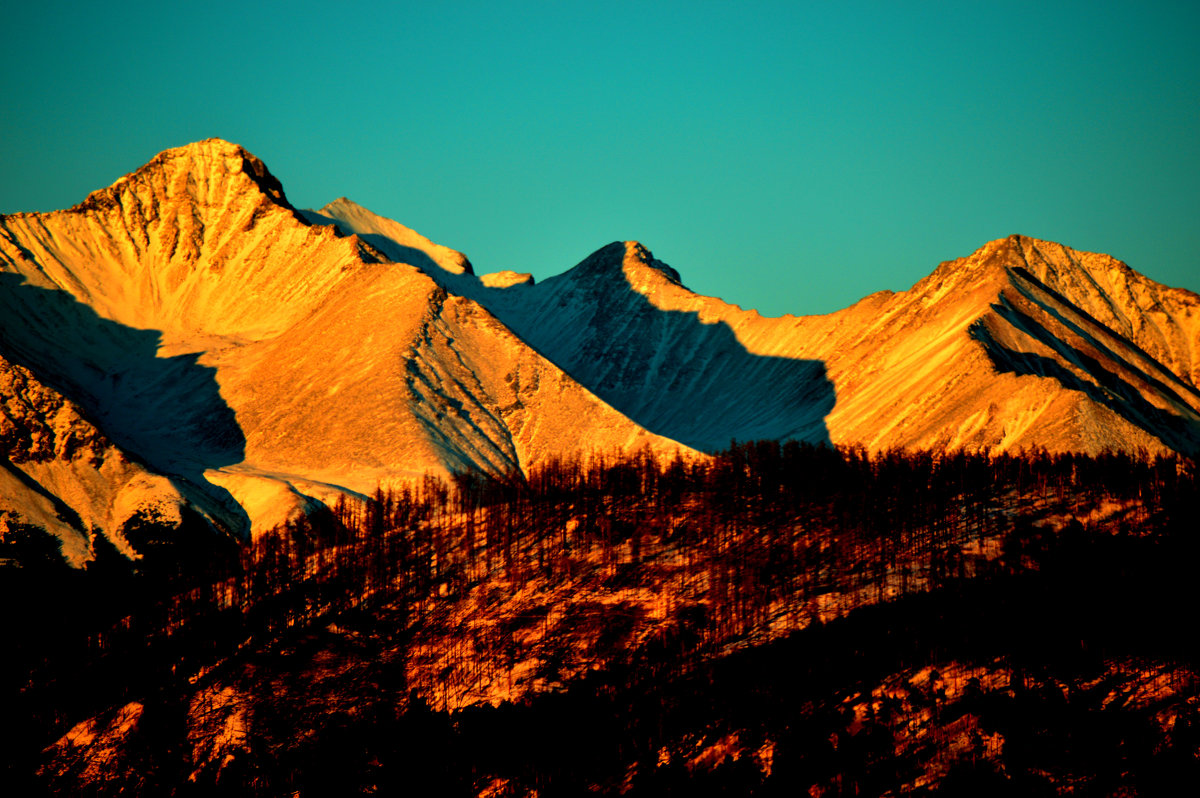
[{"x": 780, "y": 618}]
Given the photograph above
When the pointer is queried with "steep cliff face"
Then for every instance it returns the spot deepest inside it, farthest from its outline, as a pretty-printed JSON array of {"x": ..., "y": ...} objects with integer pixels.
[
  {"x": 1161, "y": 321},
  {"x": 925, "y": 367},
  {"x": 392, "y": 378}
]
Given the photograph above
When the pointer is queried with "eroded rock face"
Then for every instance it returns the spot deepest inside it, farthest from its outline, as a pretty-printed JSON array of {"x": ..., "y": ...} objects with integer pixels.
[
  {"x": 60, "y": 473},
  {"x": 199, "y": 242},
  {"x": 39, "y": 425}
]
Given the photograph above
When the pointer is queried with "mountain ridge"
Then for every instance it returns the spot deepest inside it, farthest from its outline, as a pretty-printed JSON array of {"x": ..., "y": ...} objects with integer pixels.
[{"x": 261, "y": 361}]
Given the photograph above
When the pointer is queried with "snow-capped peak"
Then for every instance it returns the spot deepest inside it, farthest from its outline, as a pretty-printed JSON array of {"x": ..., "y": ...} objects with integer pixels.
[
  {"x": 626, "y": 260},
  {"x": 399, "y": 243},
  {"x": 194, "y": 168}
]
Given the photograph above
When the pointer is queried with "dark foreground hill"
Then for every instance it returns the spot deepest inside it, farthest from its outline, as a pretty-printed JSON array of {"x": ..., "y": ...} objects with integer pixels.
[{"x": 773, "y": 621}]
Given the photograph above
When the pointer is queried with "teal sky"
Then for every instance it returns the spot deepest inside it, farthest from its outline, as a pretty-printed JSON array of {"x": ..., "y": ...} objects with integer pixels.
[{"x": 791, "y": 157}]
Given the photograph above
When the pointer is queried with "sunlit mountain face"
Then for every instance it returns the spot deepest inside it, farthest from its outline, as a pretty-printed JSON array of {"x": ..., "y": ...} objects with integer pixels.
[{"x": 295, "y": 501}]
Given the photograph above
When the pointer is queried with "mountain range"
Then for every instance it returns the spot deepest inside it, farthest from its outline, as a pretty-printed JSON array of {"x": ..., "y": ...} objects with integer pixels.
[{"x": 185, "y": 346}]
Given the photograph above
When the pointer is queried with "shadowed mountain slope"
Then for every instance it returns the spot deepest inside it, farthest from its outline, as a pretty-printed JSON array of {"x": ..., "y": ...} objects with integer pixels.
[{"x": 682, "y": 372}]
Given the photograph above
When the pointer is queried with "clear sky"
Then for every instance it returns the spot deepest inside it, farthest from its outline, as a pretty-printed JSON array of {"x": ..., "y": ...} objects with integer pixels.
[{"x": 791, "y": 157}]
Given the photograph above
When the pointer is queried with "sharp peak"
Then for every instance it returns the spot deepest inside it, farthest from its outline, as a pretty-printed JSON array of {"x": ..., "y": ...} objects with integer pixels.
[
  {"x": 344, "y": 202},
  {"x": 208, "y": 153},
  {"x": 638, "y": 251},
  {"x": 624, "y": 257},
  {"x": 1021, "y": 243},
  {"x": 1016, "y": 252},
  {"x": 198, "y": 157},
  {"x": 210, "y": 145},
  {"x": 620, "y": 251},
  {"x": 1014, "y": 243},
  {"x": 396, "y": 240},
  {"x": 1024, "y": 246},
  {"x": 1047, "y": 262},
  {"x": 346, "y": 207}
]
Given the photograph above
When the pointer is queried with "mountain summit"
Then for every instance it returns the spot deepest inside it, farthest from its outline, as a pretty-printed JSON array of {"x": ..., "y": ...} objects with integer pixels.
[{"x": 184, "y": 347}]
